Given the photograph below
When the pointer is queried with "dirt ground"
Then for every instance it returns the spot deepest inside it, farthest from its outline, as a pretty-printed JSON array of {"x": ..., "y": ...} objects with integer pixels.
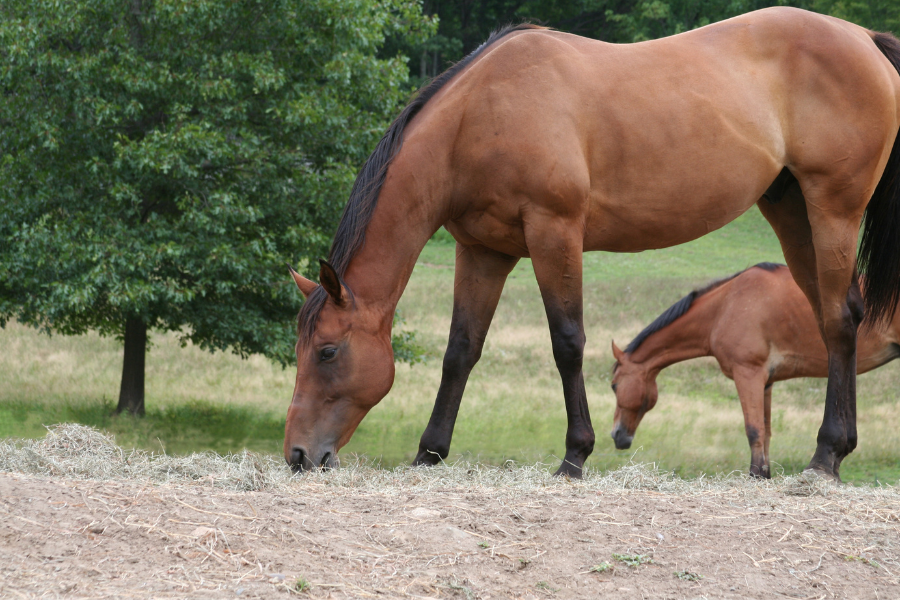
[{"x": 70, "y": 538}]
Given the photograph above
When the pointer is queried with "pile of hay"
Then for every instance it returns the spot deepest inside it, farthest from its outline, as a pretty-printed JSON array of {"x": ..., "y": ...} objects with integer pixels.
[{"x": 79, "y": 452}]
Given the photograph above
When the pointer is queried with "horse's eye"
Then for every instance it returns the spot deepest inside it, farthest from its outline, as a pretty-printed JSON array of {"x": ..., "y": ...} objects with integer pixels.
[
  {"x": 327, "y": 353},
  {"x": 614, "y": 386}
]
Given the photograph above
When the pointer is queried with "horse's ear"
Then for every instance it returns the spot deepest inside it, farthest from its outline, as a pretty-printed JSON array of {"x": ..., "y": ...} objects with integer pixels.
[
  {"x": 330, "y": 280},
  {"x": 617, "y": 354},
  {"x": 303, "y": 284}
]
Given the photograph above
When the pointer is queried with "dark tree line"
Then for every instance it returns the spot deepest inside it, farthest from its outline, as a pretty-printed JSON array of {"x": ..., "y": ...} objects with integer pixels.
[{"x": 464, "y": 24}]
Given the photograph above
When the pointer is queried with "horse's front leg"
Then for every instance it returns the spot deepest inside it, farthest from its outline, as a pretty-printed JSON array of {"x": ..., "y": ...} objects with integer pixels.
[
  {"x": 751, "y": 384},
  {"x": 556, "y": 252},
  {"x": 479, "y": 279},
  {"x": 767, "y": 401}
]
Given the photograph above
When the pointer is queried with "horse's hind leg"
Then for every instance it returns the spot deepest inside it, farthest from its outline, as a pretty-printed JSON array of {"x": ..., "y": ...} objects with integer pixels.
[
  {"x": 767, "y": 403},
  {"x": 820, "y": 248},
  {"x": 556, "y": 252},
  {"x": 480, "y": 275}
]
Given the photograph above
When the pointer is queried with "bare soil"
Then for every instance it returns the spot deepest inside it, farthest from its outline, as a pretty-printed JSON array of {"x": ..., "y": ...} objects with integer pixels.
[{"x": 428, "y": 536}]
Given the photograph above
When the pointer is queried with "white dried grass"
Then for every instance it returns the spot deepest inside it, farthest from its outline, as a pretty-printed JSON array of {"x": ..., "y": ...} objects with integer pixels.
[{"x": 79, "y": 452}]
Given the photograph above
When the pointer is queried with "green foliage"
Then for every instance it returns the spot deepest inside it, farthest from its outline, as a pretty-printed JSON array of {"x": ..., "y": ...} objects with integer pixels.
[
  {"x": 165, "y": 159},
  {"x": 302, "y": 585},
  {"x": 633, "y": 560},
  {"x": 880, "y": 15},
  {"x": 406, "y": 348},
  {"x": 868, "y": 561},
  {"x": 601, "y": 568},
  {"x": 688, "y": 576}
]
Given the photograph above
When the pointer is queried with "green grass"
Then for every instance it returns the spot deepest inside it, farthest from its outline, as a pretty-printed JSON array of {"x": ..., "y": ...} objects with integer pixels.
[
  {"x": 513, "y": 407},
  {"x": 175, "y": 429}
]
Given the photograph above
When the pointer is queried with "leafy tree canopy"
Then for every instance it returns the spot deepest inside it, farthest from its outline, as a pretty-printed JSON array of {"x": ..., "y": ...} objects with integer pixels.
[{"x": 162, "y": 160}]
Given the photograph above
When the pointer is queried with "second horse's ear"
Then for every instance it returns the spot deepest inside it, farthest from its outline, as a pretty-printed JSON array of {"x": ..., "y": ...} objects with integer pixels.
[
  {"x": 617, "y": 354},
  {"x": 303, "y": 284},
  {"x": 331, "y": 281}
]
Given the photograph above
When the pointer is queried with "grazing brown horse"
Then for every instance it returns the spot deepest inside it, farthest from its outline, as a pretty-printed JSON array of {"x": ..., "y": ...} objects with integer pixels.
[
  {"x": 545, "y": 145},
  {"x": 759, "y": 327}
]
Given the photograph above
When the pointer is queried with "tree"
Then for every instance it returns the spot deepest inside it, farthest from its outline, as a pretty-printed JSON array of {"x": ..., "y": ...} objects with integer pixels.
[{"x": 161, "y": 161}]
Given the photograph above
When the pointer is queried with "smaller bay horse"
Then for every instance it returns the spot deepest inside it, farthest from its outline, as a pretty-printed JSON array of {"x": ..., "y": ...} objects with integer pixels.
[{"x": 759, "y": 327}]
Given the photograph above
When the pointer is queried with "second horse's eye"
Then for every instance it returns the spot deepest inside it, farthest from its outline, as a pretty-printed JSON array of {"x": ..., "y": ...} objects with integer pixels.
[
  {"x": 614, "y": 386},
  {"x": 327, "y": 353}
]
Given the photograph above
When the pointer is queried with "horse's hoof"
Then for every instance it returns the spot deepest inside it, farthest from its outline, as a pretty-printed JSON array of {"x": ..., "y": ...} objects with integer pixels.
[
  {"x": 427, "y": 459},
  {"x": 569, "y": 471},
  {"x": 823, "y": 473}
]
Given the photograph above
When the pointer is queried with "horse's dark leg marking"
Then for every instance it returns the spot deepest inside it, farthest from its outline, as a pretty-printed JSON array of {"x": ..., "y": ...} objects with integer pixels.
[
  {"x": 567, "y": 336},
  {"x": 479, "y": 279},
  {"x": 750, "y": 381},
  {"x": 837, "y": 436},
  {"x": 838, "y": 318},
  {"x": 556, "y": 253}
]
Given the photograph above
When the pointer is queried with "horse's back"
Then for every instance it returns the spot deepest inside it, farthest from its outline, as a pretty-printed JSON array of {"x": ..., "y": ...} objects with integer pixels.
[{"x": 620, "y": 139}]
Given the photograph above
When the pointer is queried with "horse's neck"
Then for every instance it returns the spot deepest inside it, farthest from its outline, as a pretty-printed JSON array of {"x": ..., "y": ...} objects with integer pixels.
[
  {"x": 685, "y": 338},
  {"x": 405, "y": 217}
]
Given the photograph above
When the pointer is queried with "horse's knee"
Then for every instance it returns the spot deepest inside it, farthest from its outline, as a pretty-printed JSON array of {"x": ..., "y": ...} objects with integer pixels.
[
  {"x": 462, "y": 353},
  {"x": 568, "y": 346}
]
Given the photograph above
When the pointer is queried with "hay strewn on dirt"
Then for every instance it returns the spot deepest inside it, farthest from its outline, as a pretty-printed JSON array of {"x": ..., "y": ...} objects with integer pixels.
[
  {"x": 81, "y": 517},
  {"x": 80, "y": 452}
]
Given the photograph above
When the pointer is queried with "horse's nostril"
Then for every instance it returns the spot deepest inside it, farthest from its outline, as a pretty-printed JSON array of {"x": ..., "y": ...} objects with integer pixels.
[
  {"x": 326, "y": 461},
  {"x": 298, "y": 457},
  {"x": 621, "y": 438}
]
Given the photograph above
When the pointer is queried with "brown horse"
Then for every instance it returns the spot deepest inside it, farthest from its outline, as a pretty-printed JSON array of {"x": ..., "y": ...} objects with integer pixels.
[
  {"x": 759, "y": 327},
  {"x": 545, "y": 145}
]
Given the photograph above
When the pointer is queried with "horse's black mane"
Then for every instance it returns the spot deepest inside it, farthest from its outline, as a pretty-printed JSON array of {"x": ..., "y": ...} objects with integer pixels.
[
  {"x": 682, "y": 306},
  {"x": 351, "y": 231}
]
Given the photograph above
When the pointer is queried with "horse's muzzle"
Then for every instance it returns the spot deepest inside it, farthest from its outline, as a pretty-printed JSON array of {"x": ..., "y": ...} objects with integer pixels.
[
  {"x": 300, "y": 460},
  {"x": 621, "y": 438}
]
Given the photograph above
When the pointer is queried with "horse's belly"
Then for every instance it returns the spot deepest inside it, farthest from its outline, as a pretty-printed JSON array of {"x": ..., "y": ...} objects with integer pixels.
[{"x": 634, "y": 226}]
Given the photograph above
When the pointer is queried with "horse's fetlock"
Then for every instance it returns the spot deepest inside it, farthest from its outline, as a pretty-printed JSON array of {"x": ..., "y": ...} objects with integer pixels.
[{"x": 581, "y": 442}]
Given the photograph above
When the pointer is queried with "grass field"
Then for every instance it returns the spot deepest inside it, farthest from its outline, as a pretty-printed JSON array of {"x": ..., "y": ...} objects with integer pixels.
[{"x": 513, "y": 408}]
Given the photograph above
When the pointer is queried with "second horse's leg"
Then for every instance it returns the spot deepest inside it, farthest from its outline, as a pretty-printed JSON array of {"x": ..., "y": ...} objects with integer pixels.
[
  {"x": 750, "y": 383},
  {"x": 768, "y": 404},
  {"x": 479, "y": 279}
]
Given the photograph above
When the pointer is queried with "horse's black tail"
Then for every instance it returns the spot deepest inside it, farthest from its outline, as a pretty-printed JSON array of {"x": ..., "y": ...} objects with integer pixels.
[{"x": 879, "y": 251}]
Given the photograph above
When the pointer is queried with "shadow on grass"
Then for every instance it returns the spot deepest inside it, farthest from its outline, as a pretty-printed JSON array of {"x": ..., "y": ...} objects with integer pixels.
[{"x": 178, "y": 429}]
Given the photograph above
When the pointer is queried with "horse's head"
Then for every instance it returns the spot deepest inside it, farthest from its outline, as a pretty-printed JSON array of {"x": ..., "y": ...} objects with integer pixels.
[
  {"x": 636, "y": 393},
  {"x": 345, "y": 366}
]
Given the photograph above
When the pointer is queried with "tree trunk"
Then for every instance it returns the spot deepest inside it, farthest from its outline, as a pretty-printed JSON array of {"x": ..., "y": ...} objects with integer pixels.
[{"x": 131, "y": 394}]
